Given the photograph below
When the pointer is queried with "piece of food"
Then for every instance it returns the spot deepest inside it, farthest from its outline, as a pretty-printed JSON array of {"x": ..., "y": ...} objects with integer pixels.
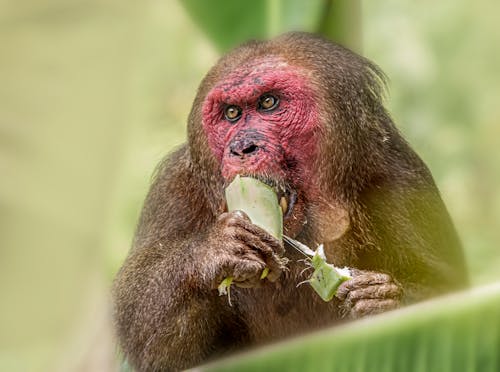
[
  {"x": 326, "y": 278},
  {"x": 260, "y": 202}
]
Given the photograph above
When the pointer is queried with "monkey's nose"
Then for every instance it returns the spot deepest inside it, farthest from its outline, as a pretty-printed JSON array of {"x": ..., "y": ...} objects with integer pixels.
[{"x": 243, "y": 147}]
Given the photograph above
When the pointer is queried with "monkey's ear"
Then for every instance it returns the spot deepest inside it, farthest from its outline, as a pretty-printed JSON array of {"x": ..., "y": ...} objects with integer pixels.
[{"x": 333, "y": 223}]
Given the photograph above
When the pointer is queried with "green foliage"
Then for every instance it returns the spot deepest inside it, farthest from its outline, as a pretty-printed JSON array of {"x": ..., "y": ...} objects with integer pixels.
[
  {"x": 227, "y": 22},
  {"x": 258, "y": 201},
  {"x": 230, "y": 22},
  {"x": 452, "y": 334}
]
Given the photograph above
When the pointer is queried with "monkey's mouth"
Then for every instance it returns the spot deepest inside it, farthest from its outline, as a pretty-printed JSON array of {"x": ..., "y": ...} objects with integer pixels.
[
  {"x": 287, "y": 199},
  {"x": 287, "y": 196}
]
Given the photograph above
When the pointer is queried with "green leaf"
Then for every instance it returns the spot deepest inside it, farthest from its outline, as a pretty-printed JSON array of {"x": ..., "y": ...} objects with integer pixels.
[
  {"x": 341, "y": 22},
  {"x": 325, "y": 279},
  {"x": 224, "y": 288},
  {"x": 258, "y": 201},
  {"x": 451, "y": 334},
  {"x": 230, "y": 22}
]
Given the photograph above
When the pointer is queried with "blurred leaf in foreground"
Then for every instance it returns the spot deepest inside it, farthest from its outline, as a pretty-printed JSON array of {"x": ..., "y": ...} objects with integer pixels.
[{"x": 455, "y": 333}]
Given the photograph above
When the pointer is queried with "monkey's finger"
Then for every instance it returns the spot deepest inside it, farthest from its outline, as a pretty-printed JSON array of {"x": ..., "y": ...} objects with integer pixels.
[
  {"x": 233, "y": 217},
  {"x": 254, "y": 242},
  {"x": 242, "y": 251},
  {"x": 241, "y": 220},
  {"x": 379, "y": 291},
  {"x": 273, "y": 262},
  {"x": 228, "y": 263},
  {"x": 276, "y": 268},
  {"x": 247, "y": 271},
  {"x": 238, "y": 215},
  {"x": 374, "y": 275},
  {"x": 262, "y": 235},
  {"x": 223, "y": 216},
  {"x": 362, "y": 280},
  {"x": 372, "y": 307}
]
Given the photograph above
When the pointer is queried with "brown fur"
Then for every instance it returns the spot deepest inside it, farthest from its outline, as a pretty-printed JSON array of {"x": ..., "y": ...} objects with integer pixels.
[{"x": 380, "y": 213}]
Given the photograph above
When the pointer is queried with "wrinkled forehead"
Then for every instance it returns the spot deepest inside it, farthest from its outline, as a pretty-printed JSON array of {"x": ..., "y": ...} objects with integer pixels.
[
  {"x": 252, "y": 70},
  {"x": 250, "y": 79}
]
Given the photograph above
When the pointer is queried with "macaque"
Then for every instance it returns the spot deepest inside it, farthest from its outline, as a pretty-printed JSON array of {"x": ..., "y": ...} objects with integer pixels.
[{"x": 306, "y": 116}]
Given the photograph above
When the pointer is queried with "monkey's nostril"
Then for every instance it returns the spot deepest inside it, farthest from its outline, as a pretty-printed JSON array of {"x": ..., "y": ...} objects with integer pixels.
[
  {"x": 250, "y": 149},
  {"x": 243, "y": 148}
]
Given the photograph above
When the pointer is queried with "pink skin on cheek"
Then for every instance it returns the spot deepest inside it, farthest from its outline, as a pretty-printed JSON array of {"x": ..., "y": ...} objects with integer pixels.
[{"x": 289, "y": 132}]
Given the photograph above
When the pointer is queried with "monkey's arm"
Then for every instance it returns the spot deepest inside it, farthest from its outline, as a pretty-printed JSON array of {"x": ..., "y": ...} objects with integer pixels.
[
  {"x": 167, "y": 317},
  {"x": 415, "y": 254},
  {"x": 410, "y": 251},
  {"x": 167, "y": 309},
  {"x": 434, "y": 262}
]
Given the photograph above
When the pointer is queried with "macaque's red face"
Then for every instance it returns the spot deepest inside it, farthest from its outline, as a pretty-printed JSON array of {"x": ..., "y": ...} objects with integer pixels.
[{"x": 262, "y": 120}]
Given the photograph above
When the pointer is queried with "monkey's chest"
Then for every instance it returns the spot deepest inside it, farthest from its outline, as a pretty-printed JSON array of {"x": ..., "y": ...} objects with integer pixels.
[{"x": 278, "y": 310}]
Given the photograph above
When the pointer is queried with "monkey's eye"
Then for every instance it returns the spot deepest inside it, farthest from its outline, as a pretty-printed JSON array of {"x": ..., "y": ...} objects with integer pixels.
[
  {"x": 232, "y": 113},
  {"x": 268, "y": 102}
]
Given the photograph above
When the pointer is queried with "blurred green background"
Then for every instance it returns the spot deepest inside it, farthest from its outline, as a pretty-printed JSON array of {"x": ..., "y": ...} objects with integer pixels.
[{"x": 93, "y": 93}]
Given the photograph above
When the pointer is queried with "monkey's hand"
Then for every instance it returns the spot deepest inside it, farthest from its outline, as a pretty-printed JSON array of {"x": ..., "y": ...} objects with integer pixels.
[
  {"x": 239, "y": 249},
  {"x": 368, "y": 293}
]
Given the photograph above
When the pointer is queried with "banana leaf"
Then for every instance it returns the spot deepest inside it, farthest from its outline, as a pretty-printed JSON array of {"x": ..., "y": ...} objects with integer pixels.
[
  {"x": 230, "y": 22},
  {"x": 456, "y": 333}
]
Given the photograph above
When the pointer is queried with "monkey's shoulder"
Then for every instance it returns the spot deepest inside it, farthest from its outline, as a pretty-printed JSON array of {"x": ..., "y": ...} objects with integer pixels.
[{"x": 176, "y": 202}]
